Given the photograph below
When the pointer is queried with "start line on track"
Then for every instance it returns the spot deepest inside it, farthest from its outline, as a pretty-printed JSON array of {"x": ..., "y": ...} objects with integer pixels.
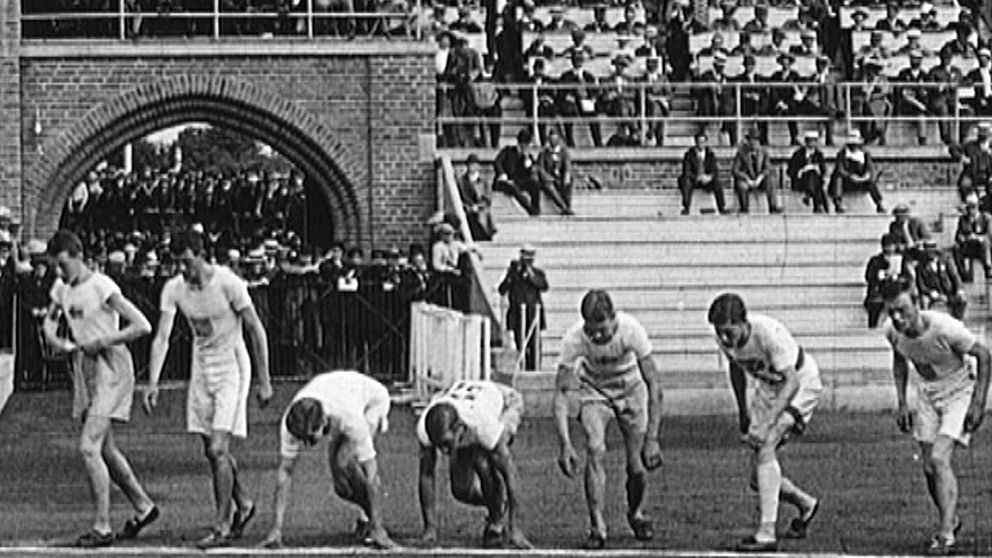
[{"x": 399, "y": 553}]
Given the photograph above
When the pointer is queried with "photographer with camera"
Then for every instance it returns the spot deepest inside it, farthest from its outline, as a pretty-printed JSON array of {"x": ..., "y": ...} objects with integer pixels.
[{"x": 524, "y": 284}]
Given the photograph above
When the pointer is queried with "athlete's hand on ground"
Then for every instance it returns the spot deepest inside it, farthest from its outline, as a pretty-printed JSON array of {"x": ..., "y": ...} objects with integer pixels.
[
  {"x": 568, "y": 461},
  {"x": 429, "y": 536},
  {"x": 272, "y": 540},
  {"x": 651, "y": 454},
  {"x": 973, "y": 419},
  {"x": 518, "y": 540},
  {"x": 264, "y": 394},
  {"x": 150, "y": 400},
  {"x": 904, "y": 419}
]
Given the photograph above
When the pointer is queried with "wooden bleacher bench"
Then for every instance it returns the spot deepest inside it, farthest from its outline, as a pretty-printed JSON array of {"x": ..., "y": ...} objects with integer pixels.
[
  {"x": 776, "y": 16},
  {"x": 931, "y": 41},
  {"x": 806, "y": 65},
  {"x": 603, "y": 44}
]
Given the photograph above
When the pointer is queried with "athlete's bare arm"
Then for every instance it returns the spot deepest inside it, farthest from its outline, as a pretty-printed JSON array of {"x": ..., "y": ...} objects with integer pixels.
[
  {"x": 976, "y": 411},
  {"x": 568, "y": 461},
  {"x": 503, "y": 461},
  {"x": 651, "y": 453},
  {"x": 260, "y": 349},
  {"x": 428, "y": 494},
  {"x": 738, "y": 381},
  {"x": 757, "y": 434},
  {"x": 900, "y": 373},
  {"x": 160, "y": 347},
  {"x": 284, "y": 486},
  {"x": 137, "y": 325}
]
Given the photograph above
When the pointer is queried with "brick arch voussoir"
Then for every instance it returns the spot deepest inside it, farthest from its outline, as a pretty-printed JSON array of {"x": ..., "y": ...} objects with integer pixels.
[{"x": 80, "y": 142}]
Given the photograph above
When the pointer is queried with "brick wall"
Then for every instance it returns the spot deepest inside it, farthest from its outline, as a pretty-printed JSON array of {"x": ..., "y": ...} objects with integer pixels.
[
  {"x": 10, "y": 114},
  {"x": 366, "y": 113}
]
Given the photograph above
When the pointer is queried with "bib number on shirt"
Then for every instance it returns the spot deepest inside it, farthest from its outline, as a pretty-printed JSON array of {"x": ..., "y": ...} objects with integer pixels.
[{"x": 464, "y": 391}]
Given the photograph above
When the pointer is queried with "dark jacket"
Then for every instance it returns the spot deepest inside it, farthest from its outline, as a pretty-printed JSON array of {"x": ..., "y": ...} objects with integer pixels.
[
  {"x": 942, "y": 277},
  {"x": 691, "y": 167},
  {"x": 512, "y": 162},
  {"x": 914, "y": 227},
  {"x": 800, "y": 159},
  {"x": 968, "y": 225},
  {"x": 877, "y": 270},
  {"x": 749, "y": 163},
  {"x": 523, "y": 289}
]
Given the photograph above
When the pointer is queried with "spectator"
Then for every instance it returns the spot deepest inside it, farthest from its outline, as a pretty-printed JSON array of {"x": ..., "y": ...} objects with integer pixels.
[
  {"x": 539, "y": 49},
  {"x": 759, "y": 24},
  {"x": 874, "y": 50},
  {"x": 891, "y": 21},
  {"x": 752, "y": 96},
  {"x": 752, "y": 171},
  {"x": 539, "y": 98},
  {"x": 960, "y": 45},
  {"x": 822, "y": 97},
  {"x": 976, "y": 164},
  {"x": 744, "y": 46},
  {"x": 523, "y": 284},
  {"x": 625, "y": 136},
  {"x": 508, "y": 44},
  {"x": 943, "y": 100},
  {"x": 652, "y": 47},
  {"x": 913, "y": 44},
  {"x": 981, "y": 79},
  {"x": 912, "y": 101},
  {"x": 445, "y": 255},
  {"x": 937, "y": 281},
  {"x": 476, "y": 201},
  {"x": 784, "y": 99},
  {"x": 618, "y": 99},
  {"x": 807, "y": 45},
  {"x": 858, "y": 18},
  {"x": 716, "y": 46},
  {"x": 971, "y": 240},
  {"x": 627, "y": 26},
  {"x": 657, "y": 94},
  {"x": 883, "y": 267},
  {"x": 514, "y": 168},
  {"x": 598, "y": 23},
  {"x": 714, "y": 98},
  {"x": 529, "y": 22},
  {"x": 807, "y": 170},
  {"x": 726, "y": 21},
  {"x": 777, "y": 45},
  {"x": 681, "y": 24},
  {"x": 579, "y": 99},
  {"x": 558, "y": 23},
  {"x": 927, "y": 20},
  {"x": 578, "y": 46},
  {"x": 853, "y": 169},
  {"x": 699, "y": 172},
  {"x": 872, "y": 100},
  {"x": 554, "y": 171},
  {"x": 910, "y": 232},
  {"x": 465, "y": 23}
]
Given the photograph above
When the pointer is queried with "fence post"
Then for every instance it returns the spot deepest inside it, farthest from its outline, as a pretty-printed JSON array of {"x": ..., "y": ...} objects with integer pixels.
[
  {"x": 420, "y": 21},
  {"x": 216, "y": 19},
  {"x": 524, "y": 341},
  {"x": 850, "y": 108},
  {"x": 310, "y": 33},
  {"x": 737, "y": 109},
  {"x": 537, "y": 338},
  {"x": 534, "y": 111},
  {"x": 122, "y": 19}
]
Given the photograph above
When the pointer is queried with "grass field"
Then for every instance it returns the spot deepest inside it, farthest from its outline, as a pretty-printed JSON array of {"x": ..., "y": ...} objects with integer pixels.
[{"x": 874, "y": 497}]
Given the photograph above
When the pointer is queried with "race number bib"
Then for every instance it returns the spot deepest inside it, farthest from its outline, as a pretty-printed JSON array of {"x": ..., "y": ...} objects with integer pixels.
[{"x": 464, "y": 391}]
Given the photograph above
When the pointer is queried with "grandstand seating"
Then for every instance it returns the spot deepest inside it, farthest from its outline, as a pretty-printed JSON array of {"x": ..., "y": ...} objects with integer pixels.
[{"x": 804, "y": 269}]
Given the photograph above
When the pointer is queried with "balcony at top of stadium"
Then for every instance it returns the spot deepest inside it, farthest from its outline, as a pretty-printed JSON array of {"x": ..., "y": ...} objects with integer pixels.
[{"x": 235, "y": 20}]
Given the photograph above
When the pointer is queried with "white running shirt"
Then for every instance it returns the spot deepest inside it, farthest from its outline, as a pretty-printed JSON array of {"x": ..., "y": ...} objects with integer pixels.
[
  {"x": 85, "y": 307},
  {"x": 938, "y": 353},
  {"x": 212, "y": 310},
  {"x": 479, "y": 405},
  {"x": 614, "y": 359},
  {"x": 770, "y": 349}
]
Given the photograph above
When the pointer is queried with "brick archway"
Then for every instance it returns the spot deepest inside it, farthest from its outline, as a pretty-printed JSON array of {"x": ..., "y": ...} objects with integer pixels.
[{"x": 220, "y": 101}]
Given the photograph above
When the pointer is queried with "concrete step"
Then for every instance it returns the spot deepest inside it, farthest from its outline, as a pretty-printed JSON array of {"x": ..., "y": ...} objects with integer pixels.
[{"x": 782, "y": 254}]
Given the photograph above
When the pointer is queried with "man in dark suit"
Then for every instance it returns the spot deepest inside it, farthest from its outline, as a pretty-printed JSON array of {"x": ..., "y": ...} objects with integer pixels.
[
  {"x": 976, "y": 164},
  {"x": 981, "y": 79},
  {"x": 912, "y": 101},
  {"x": 937, "y": 280},
  {"x": 515, "y": 172},
  {"x": 579, "y": 100},
  {"x": 657, "y": 95},
  {"x": 887, "y": 265},
  {"x": 476, "y": 201},
  {"x": 807, "y": 170},
  {"x": 539, "y": 98},
  {"x": 783, "y": 99},
  {"x": 854, "y": 169},
  {"x": 699, "y": 171},
  {"x": 943, "y": 100},
  {"x": 823, "y": 97},
  {"x": 714, "y": 98},
  {"x": 752, "y": 171},
  {"x": 523, "y": 284},
  {"x": 910, "y": 232},
  {"x": 971, "y": 240},
  {"x": 891, "y": 23},
  {"x": 753, "y": 97}
]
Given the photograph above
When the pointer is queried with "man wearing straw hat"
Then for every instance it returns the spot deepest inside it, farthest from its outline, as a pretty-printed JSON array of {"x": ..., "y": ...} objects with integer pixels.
[
  {"x": 524, "y": 284},
  {"x": 854, "y": 169}
]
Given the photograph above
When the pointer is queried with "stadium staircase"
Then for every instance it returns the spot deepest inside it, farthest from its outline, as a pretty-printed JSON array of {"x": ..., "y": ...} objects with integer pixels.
[{"x": 804, "y": 269}]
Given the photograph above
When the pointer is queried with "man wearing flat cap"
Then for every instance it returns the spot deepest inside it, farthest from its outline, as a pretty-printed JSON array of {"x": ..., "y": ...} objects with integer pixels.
[
  {"x": 854, "y": 170},
  {"x": 808, "y": 170},
  {"x": 910, "y": 232},
  {"x": 752, "y": 171},
  {"x": 971, "y": 239},
  {"x": 912, "y": 101},
  {"x": 938, "y": 281},
  {"x": 523, "y": 285}
]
